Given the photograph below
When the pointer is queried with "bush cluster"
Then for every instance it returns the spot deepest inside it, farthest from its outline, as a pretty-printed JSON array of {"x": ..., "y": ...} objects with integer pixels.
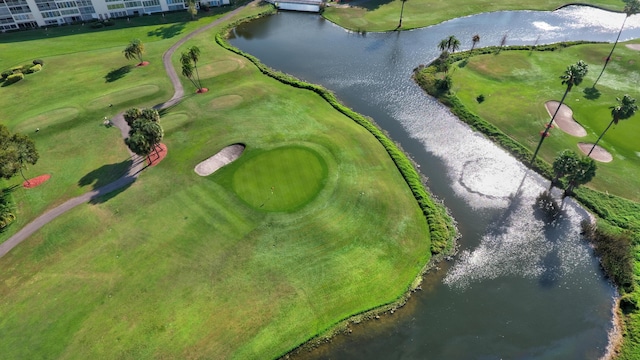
[
  {"x": 441, "y": 226},
  {"x": 614, "y": 251},
  {"x": 17, "y": 73},
  {"x": 6, "y": 210}
]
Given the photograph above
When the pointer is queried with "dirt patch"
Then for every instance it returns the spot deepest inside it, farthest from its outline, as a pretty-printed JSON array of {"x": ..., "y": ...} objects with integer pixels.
[
  {"x": 202, "y": 90},
  {"x": 598, "y": 154},
  {"x": 224, "y": 102},
  {"x": 144, "y": 63},
  {"x": 36, "y": 181},
  {"x": 633, "y": 46},
  {"x": 154, "y": 158},
  {"x": 222, "y": 158},
  {"x": 564, "y": 119}
]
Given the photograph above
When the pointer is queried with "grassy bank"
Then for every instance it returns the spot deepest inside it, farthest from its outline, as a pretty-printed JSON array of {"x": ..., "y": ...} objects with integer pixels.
[
  {"x": 384, "y": 15},
  {"x": 183, "y": 266},
  {"x": 515, "y": 84}
]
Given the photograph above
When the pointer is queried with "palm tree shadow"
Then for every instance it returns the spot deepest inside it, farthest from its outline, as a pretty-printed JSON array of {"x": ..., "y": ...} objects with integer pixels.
[
  {"x": 167, "y": 32},
  {"x": 591, "y": 93},
  {"x": 117, "y": 74}
]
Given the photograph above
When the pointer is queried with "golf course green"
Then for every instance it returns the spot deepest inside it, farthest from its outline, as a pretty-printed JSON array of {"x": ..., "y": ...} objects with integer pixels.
[{"x": 313, "y": 224}]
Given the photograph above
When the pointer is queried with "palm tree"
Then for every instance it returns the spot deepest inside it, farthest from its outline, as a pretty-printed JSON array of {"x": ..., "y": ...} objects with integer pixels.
[
  {"x": 581, "y": 174},
  {"x": 573, "y": 75},
  {"x": 443, "y": 45},
  {"x": 625, "y": 109},
  {"x": 187, "y": 68},
  {"x": 401, "y": 12},
  {"x": 564, "y": 164},
  {"x": 194, "y": 54},
  {"x": 453, "y": 43},
  {"x": 134, "y": 50},
  {"x": 631, "y": 7},
  {"x": 475, "y": 39}
]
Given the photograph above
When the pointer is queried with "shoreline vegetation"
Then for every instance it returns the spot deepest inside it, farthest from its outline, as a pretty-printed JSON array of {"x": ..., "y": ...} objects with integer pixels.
[
  {"x": 442, "y": 226},
  {"x": 614, "y": 236}
]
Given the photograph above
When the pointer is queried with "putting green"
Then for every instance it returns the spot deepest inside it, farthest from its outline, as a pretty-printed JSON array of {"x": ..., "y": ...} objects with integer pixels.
[
  {"x": 121, "y": 96},
  {"x": 48, "y": 118},
  {"x": 283, "y": 179}
]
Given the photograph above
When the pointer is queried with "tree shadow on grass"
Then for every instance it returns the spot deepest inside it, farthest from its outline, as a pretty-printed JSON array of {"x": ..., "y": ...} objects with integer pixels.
[
  {"x": 118, "y": 73},
  {"x": 591, "y": 93},
  {"x": 167, "y": 32},
  {"x": 108, "y": 180}
]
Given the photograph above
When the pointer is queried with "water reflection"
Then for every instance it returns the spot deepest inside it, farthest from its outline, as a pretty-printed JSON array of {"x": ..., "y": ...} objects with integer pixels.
[{"x": 520, "y": 287}]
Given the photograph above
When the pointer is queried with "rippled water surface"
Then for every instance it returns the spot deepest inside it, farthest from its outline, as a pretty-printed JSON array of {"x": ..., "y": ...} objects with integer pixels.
[{"x": 520, "y": 288}]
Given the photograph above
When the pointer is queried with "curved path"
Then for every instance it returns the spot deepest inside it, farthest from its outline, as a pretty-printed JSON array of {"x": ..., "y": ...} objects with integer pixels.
[{"x": 138, "y": 163}]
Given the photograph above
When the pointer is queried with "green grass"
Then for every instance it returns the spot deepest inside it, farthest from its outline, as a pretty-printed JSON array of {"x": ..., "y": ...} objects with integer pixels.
[
  {"x": 516, "y": 84},
  {"x": 183, "y": 266},
  {"x": 383, "y": 15},
  {"x": 282, "y": 179}
]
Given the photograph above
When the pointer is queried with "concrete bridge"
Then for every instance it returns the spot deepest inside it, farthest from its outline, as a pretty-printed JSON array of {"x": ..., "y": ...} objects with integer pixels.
[{"x": 298, "y": 5}]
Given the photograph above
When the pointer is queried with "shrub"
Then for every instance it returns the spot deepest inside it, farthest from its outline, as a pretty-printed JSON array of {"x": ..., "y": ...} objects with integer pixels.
[
  {"x": 13, "y": 78},
  {"x": 34, "y": 68},
  {"x": 480, "y": 99},
  {"x": 38, "y": 62},
  {"x": 97, "y": 25},
  {"x": 6, "y": 210},
  {"x": 108, "y": 22},
  {"x": 5, "y": 74}
]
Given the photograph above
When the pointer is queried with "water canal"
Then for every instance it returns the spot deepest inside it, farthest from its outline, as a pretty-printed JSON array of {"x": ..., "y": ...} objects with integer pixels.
[{"x": 518, "y": 289}]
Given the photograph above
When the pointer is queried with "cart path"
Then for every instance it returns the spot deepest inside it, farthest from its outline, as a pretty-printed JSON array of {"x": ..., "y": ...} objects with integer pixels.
[{"x": 138, "y": 164}]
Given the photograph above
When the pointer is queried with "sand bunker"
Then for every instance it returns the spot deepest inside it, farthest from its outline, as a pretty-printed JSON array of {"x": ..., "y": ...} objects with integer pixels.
[
  {"x": 564, "y": 119},
  {"x": 222, "y": 158},
  {"x": 633, "y": 47},
  {"x": 598, "y": 154}
]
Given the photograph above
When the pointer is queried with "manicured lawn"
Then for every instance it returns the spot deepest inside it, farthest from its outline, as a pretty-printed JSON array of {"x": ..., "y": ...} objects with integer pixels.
[
  {"x": 516, "y": 84},
  {"x": 183, "y": 266},
  {"x": 383, "y": 15}
]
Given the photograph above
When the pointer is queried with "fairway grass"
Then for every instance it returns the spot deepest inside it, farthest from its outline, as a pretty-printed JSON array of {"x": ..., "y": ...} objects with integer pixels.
[
  {"x": 384, "y": 15},
  {"x": 183, "y": 266}
]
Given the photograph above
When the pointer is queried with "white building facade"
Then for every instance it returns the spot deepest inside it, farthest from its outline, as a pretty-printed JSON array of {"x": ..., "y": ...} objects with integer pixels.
[{"x": 25, "y": 14}]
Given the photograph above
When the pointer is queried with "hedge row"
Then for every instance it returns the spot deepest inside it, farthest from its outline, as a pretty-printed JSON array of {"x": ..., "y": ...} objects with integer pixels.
[{"x": 441, "y": 226}]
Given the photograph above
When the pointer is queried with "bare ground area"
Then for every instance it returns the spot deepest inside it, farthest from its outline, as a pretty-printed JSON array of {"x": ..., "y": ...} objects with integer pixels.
[{"x": 633, "y": 46}]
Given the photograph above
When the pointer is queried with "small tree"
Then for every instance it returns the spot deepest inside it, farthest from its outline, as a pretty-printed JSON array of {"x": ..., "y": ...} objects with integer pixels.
[
  {"x": 582, "y": 174},
  {"x": 134, "y": 50},
  {"x": 564, "y": 164},
  {"x": 401, "y": 12},
  {"x": 475, "y": 40},
  {"x": 16, "y": 152},
  {"x": 625, "y": 109},
  {"x": 145, "y": 133},
  {"x": 192, "y": 8}
]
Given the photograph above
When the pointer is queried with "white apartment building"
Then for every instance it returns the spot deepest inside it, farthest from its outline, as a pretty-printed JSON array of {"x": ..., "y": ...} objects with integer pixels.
[{"x": 24, "y": 14}]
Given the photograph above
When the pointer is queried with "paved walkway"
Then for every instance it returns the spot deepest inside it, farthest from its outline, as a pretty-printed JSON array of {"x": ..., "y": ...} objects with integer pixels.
[{"x": 138, "y": 163}]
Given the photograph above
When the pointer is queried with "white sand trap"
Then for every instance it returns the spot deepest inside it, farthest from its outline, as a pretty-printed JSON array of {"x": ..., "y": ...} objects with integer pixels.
[
  {"x": 564, "y": 119},
  {"x": 222, "y": 158},
  {"x": 633, "y": 47},
  {"x": 598, "y": 154}
]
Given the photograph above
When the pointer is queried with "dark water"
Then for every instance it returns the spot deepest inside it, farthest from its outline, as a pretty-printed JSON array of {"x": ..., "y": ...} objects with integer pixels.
[{"x": 519, "y": 288}]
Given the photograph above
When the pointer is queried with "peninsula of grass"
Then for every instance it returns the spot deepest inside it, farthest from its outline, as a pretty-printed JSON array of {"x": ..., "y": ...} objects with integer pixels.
[
  {"x": 183, "y": 266},
  {"x": 384, "y": 15},
  {"x": 514, "y": 85}
]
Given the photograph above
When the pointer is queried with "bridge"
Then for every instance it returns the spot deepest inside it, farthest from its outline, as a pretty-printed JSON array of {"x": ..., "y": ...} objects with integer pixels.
[{"x": 298, "y": 5}]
